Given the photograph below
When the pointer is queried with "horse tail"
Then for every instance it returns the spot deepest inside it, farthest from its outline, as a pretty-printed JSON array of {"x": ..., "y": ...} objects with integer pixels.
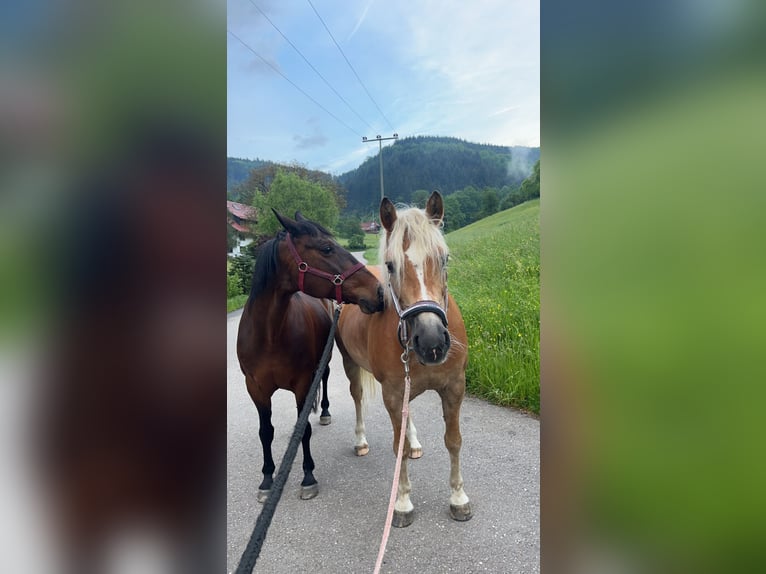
[
  {"x": 315, "y": 404},
  {"x": 318, "y": 395},
  {"x": 369, "y": 387}
]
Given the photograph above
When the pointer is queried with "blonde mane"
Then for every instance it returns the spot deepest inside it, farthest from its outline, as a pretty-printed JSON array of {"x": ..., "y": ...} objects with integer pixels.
[{"x": 426, "y": 241}]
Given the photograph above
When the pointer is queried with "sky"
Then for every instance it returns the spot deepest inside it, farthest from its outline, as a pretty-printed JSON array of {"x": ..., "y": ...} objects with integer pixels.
[{"x": 427, "y": 67}]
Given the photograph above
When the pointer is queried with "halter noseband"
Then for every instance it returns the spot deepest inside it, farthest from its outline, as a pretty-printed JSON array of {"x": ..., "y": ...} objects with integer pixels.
[
  {"x": 426, "y": 306},
  {"x": 304, "y": 268}
]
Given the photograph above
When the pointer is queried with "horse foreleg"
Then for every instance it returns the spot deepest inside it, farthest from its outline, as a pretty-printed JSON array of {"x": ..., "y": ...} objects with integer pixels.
[
  {"x": 325, "y": 418},
  {"x": 416, "y": 449},
  {"x": 266, "y": 434},
  {"x": 404, "y": 511},
  {"x": 460, "y": 506},
  {"x": 354, "y": 374},
  {"x": 309, "y": 486}
]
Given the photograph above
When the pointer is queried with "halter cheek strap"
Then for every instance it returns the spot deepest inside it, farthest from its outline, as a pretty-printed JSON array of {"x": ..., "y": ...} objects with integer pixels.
[{"x": 304, "y": 268}]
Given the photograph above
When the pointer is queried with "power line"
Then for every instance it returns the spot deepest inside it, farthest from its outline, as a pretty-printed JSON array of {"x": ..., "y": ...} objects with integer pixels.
[
  {"x": 270, "y": 65},
  {"x": 310, "y": 64},
  {"x": 350, "y": 66}
]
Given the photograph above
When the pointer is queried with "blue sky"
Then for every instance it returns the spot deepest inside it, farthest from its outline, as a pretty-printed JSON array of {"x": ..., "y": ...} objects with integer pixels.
[{"x": 447, "y": 68}]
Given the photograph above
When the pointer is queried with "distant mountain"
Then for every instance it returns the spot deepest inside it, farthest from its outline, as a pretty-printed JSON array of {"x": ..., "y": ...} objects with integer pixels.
[
  {"x": 428, "y": 163},
  {"x": 238, "y": 170}
]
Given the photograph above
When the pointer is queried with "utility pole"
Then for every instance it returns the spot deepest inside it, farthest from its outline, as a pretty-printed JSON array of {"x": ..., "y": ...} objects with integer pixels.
[{"x": 380, "y": 156}]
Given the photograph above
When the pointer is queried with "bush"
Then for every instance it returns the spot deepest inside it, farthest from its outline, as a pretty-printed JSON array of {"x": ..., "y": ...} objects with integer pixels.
[
  {"x": 233, "y": 286},
  {"x": 242, "y": 272},
  {"x": 356, "y": 240}
]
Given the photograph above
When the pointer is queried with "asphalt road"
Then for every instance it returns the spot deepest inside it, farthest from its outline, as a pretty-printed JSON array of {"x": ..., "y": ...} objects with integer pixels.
[{"x": 339, "y": 531}]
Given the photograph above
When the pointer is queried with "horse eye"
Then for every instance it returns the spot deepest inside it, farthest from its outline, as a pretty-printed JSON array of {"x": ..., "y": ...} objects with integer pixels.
[
  {"x": 390, "y": 267},
  {"x": 326, "y": 249}
]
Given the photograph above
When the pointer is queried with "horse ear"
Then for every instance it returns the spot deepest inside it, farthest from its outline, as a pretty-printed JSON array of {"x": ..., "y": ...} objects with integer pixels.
[
  {"x": 387, "y": 213},
  {"x": 286, "y": 222},
  {"x": 435, "y": 208},
  {"x": 299, "y": 216}
]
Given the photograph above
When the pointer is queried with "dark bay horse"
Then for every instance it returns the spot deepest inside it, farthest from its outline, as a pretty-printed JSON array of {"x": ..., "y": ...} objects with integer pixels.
[
  {"x": 422, "y": 317},
  {"x": 283, "y": 331}
]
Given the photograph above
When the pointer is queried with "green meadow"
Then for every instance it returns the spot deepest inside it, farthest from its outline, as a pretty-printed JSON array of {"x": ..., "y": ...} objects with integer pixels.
[{"x": 494, "y": 275}]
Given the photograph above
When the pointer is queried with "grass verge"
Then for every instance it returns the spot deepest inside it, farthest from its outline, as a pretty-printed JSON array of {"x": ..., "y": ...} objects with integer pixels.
[
  {"x": 236, "y": 302},
  {"x": 494, "y": 276}
]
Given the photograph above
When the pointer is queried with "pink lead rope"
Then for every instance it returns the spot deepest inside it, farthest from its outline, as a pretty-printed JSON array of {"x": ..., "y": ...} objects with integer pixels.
[{"x": 398, "y": 467}]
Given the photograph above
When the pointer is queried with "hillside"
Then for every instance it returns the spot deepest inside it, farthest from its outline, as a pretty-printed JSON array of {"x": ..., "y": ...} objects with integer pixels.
[
  {"x": 428, "y": 163},
  {"x": 238, "y": 170},
  {"x": 494, "y": 275}
]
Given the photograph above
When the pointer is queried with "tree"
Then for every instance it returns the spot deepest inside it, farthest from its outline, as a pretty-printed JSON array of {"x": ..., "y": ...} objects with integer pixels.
[
  {"x": 489, "y": 202},
  {"x": 347, "y": 226},
  {"x": 242, "y": 272},
  {"x": 261, "y": 179},
  {"x": 350, "y": 228},
  {"x": 419, "y": 198},
  {"x": 289, "y": 193},
  {"x": 530, "y": 187},
  {"x": 453, "y": 214}
]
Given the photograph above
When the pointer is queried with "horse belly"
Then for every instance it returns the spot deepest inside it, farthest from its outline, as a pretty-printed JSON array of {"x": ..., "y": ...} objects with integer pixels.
[{"x": 370, "y": 340}]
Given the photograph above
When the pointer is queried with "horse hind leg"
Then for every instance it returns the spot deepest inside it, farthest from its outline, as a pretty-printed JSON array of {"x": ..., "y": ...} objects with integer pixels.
[
  {"x": 356, "y": 376},
  {"x": 460, "y": 506},
  {"x": 325, "y": 418}
]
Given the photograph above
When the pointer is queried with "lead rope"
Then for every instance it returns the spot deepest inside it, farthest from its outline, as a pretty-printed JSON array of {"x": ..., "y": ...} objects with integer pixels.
[{"x": 395, "y": 485}]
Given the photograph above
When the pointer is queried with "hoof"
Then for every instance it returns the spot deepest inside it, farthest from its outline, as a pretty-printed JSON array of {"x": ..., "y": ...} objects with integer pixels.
[
  {"x": 362, "y": 450},
  {"x": 325, "y": 420},
  {"x": 263, "y": 495},
  {"x": 310, "y": 491},
  {"x": 416, "y": 452},
  {"x": 402, "y": 519},
  {"x": 460, "y": 513}
]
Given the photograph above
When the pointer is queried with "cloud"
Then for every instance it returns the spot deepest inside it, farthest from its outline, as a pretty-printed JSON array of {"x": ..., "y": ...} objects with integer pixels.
[
  {"x": 488, "y": 60},
  {"x": 308, "y": 142},
  {"x": 504, "y": 111},
  {"x": 360, "y": 20}
]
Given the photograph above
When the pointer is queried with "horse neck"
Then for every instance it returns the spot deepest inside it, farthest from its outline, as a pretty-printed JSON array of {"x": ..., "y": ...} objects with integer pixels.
[{"x": 269, "y": 309}]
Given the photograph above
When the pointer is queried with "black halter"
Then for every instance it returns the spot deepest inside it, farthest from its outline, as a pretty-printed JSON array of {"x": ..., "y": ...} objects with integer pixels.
[{"x": 426, "y": 306}]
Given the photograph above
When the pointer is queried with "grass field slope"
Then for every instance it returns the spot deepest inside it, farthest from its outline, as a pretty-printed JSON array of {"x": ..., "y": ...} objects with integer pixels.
[{"x": 494, "y": 275}]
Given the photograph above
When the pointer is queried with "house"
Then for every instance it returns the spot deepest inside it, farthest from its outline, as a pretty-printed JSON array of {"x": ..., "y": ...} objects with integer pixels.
[
  {"x": 241, "y": 217},
  {"x": 370, "y": 226}
]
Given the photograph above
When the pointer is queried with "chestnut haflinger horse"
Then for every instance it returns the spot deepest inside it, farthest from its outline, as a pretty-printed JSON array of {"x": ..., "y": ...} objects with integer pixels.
[
  {"x": 423, "y": 319},
  {"x": 283, "y": 331}
]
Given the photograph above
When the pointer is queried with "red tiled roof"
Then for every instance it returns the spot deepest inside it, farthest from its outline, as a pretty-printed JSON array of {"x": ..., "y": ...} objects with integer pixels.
[
  {"x": 242, "y": 211},
  {"x": 239, "y": 227}
]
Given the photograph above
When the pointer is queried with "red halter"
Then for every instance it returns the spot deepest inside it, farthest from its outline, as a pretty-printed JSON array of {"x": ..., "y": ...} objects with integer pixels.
[{"x": 336, "y": 280}]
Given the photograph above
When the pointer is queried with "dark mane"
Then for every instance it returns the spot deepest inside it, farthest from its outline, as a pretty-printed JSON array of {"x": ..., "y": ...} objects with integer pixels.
[
  {"x": 267, "y": 256},
  {"x": 266, "y": 263}
]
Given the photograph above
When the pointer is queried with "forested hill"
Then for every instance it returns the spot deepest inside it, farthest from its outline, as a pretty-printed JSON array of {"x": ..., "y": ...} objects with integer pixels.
[
  {"x": 428, "y": 163},
  {"x": 238, "y": 170}
]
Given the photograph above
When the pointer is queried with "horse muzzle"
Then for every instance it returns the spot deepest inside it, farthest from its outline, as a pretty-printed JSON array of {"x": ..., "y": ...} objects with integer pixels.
[
  {"x": 370, "y": 306},
  {"x": 430, "y": 339}
]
